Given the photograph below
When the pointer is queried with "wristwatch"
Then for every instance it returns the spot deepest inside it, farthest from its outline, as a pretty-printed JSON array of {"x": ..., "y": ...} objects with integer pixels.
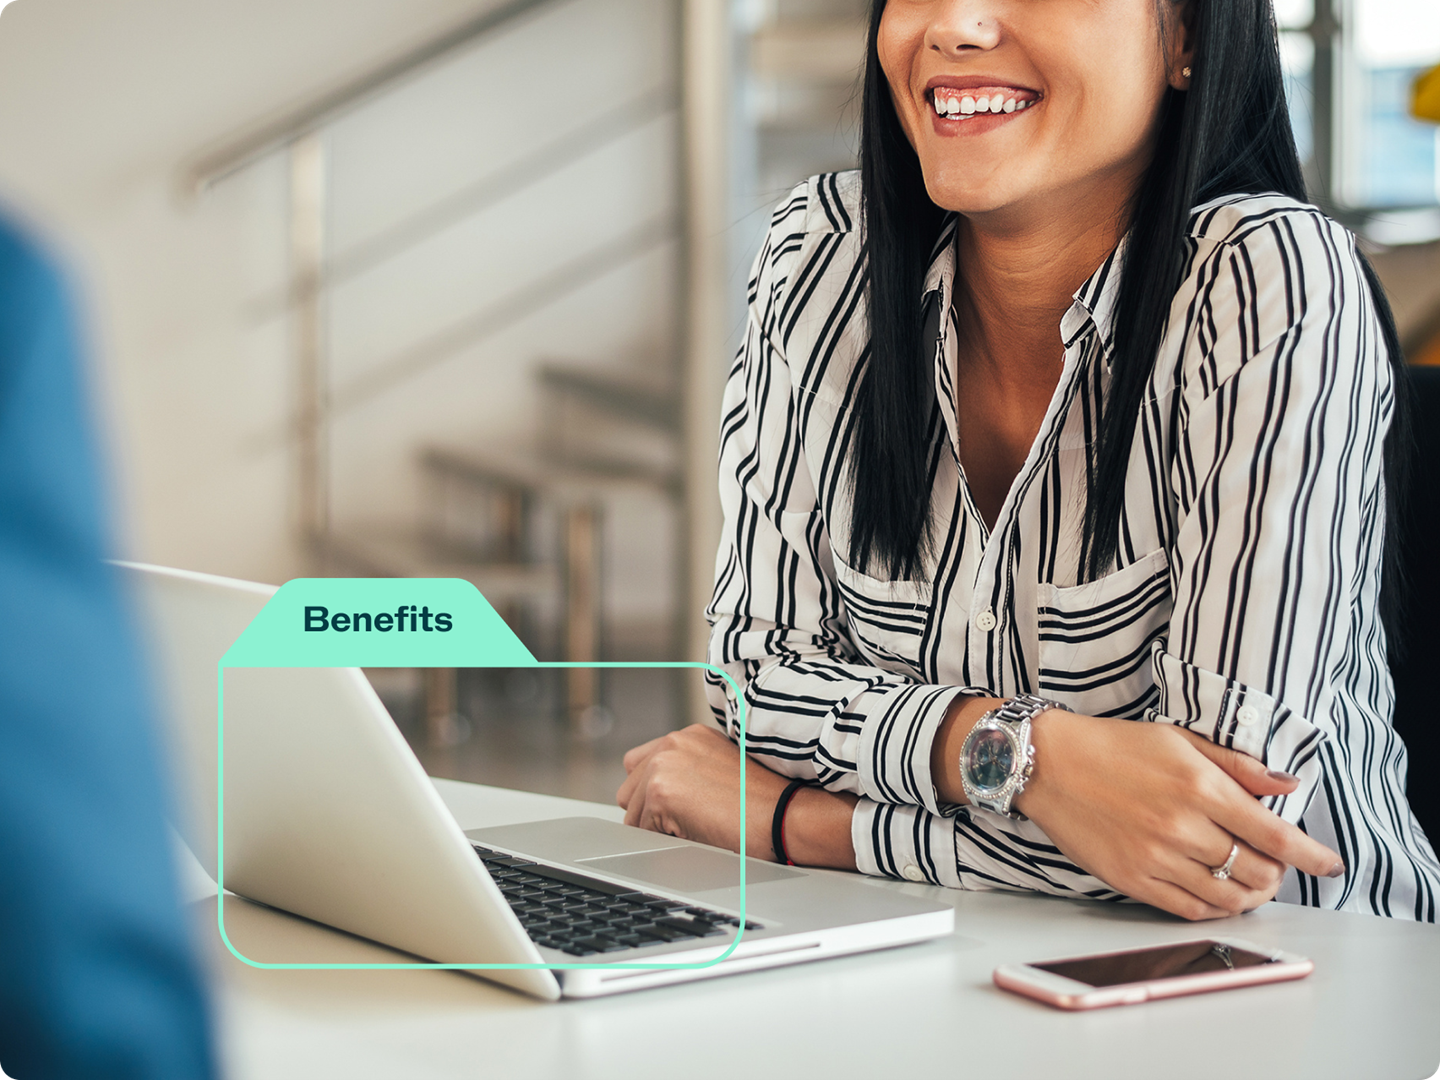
[{"x": 996, "y": 758}]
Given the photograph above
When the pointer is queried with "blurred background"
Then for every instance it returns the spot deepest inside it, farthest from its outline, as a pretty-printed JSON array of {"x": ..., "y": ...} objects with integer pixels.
[{"x": 447, "y": 287}]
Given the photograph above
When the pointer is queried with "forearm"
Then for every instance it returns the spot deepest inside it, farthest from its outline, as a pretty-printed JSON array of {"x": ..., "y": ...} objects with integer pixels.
[
  {"x": 817, "y": 829},
  {"x": 962, "y": 715},
  {"x": 818, "y": 822}
]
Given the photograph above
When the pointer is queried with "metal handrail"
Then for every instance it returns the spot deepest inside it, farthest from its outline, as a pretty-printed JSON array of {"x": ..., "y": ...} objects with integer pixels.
[
  {"x": 506, "y": 311},
  {"x": 232, "y": 156},
  {"x": 568, "y": 148},
  {"x": 489, "y": 320}
]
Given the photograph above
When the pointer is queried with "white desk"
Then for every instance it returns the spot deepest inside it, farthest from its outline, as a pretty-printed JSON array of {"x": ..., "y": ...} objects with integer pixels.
[{"x": 1370, "y": 1010}]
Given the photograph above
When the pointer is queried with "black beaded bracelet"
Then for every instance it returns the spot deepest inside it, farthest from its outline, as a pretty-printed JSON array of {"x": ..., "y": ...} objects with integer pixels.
[{"x": 777, "y": 823}]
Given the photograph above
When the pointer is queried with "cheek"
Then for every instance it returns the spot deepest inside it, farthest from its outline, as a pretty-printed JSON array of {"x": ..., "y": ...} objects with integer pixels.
[
  {"x": 896, "y": 45},
  {"x": 1116, "y": 81}
]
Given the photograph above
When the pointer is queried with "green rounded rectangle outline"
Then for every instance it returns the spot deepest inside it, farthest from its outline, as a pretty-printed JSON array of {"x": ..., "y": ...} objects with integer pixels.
[{"x": 476, "y": 638}]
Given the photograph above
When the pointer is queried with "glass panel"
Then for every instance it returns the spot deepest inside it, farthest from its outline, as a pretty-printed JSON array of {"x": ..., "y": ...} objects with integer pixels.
[
  {"x": 1293, "y": 14},
  {"x": 1297, "y": 56},
  {"x": 1394, "y": 40}
]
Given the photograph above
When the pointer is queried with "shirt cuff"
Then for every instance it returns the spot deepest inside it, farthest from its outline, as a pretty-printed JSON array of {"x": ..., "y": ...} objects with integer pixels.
[
  {"x": 1224, "y": 711},
  {"x": 904, "y": 842},
  {"x": 895, "y": 740}
]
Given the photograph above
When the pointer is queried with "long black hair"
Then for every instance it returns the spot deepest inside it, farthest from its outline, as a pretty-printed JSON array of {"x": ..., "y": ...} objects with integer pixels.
[{"x": 1229, "y": 133}]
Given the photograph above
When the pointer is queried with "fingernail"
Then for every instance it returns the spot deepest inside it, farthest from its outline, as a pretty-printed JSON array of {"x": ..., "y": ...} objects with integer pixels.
[
  {"x": 1283, "y": 777},
  {"x": 1336, "y": 870}
]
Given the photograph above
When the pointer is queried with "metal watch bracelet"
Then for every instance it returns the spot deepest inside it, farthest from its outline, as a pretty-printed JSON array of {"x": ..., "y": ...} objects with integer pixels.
[{"x": 1000, "y": 740}]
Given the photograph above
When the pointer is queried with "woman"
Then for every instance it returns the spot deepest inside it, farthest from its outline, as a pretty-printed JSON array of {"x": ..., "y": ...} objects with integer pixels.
[{"x": 1066, "y": 405}]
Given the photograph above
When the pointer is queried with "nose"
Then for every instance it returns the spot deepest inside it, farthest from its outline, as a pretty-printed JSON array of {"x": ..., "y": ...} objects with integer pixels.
[{"x": 961, "y": 27}]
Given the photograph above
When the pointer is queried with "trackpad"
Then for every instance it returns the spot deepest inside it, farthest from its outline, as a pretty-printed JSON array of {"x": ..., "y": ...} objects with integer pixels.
[{"x": 688, "y": 869}]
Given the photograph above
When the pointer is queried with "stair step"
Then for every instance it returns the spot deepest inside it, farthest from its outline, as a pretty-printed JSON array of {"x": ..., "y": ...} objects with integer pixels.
[
  {"x": 570, "y": 479},
  {"x": 641, "y": 398},
  {"x": 384, "y": 552}
]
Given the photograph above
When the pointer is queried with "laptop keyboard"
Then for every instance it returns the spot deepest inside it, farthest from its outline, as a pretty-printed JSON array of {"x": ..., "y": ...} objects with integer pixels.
[{"x": 582, "y": 916}]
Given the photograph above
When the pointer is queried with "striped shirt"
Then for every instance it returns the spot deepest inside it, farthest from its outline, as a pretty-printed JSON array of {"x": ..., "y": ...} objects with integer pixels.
[{"x": 1242, "y": 603}]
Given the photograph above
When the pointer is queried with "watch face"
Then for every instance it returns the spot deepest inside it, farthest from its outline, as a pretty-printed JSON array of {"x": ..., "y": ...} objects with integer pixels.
[{"x": 991, "y": 760}]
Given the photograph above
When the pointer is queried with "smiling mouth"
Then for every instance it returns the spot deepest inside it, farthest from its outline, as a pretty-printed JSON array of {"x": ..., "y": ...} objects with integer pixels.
[{"x": 952, "y": 104}]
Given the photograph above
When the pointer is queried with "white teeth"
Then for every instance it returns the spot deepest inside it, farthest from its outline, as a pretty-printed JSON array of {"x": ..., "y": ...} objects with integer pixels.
[{"x": 969, "y": 105}]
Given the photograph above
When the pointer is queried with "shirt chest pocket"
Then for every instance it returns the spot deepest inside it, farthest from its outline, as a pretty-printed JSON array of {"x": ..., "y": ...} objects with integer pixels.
[
  {"x": 1096, "y": 639},
  {"x": 887, "y": 619}
]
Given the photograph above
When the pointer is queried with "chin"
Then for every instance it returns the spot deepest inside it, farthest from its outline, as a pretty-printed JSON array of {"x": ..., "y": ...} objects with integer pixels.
[{"x": 970, "y": 198}]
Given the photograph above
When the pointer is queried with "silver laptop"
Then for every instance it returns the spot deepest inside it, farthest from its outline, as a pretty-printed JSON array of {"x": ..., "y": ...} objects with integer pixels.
[{"x": 329, "y": 815}]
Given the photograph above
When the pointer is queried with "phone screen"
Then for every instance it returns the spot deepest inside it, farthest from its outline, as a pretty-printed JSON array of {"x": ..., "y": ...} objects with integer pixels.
[{"x": 1146, "y": 965}]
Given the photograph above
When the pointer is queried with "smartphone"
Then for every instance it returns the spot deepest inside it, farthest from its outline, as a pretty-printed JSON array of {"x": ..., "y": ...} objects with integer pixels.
[{"x": 1136, "y": 975}]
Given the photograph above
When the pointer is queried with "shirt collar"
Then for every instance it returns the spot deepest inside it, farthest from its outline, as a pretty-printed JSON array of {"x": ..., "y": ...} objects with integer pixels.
[{"x": 1094, "y": 301}]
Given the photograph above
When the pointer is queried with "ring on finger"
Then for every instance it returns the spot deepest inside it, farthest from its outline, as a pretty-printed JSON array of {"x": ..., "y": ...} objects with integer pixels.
[{"x": 1222, "y": 872}]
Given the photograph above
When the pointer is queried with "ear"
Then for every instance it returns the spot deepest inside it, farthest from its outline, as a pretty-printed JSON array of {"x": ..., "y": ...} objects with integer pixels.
[{"x": 1178, "y": 30}]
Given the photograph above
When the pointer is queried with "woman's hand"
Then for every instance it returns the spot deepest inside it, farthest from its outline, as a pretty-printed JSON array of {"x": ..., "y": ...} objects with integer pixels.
[
  {"x": 1150, "y": 808},
  {"x": 687, "y": 784}
]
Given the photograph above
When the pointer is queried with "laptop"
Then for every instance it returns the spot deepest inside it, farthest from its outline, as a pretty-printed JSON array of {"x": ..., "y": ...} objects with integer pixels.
[{"x": 329, "y": 815}]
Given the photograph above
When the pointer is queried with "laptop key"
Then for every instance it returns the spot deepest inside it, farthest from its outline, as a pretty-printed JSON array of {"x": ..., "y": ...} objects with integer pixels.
[
  {"x": 695, "y": 927},
  {"x": 602, "y": 944},
  {"x": 664, "y": 933},
  {"x": 569, "y": 877}
]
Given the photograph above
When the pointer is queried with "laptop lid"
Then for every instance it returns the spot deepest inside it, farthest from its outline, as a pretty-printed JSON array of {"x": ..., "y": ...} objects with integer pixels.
[{"x": 327, "y": 812}]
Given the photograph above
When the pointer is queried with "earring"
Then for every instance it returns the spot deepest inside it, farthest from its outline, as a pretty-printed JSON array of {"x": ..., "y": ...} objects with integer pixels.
[{"x": 1185, "y": 71}]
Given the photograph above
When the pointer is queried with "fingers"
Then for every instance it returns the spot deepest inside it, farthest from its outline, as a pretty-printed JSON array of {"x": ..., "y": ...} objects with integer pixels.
[
  {"x": 1245, "y": 770},
  {"x": 1271, "y": 835},
  {"x": 636, "y": 755},
  {"x": 1262, "y": 829},
  {"x": 627, "y": 789},
  {"x": 634, "y": 802},
  {"x": 1252, "y": 870},
  {"x": 1253, "y": 878},
  {"x": 1170, "y": 897}
]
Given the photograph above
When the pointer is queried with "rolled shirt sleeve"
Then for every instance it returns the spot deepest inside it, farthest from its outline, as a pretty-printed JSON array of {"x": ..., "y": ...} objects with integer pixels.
[{"x": 1285, "y": 400}]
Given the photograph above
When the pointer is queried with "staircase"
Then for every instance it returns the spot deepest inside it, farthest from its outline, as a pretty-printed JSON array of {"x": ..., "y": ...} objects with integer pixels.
[
  {"x": 525, "y": 525},
  {"x": 375, "y": 346}
]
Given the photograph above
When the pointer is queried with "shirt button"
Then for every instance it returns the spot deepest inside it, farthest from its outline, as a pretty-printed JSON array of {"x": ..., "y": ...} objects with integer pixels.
[
  {"x": 912, "y": 873},
  {"x": 985, "y": 621},
  {"x": 1247, "y": 715}
]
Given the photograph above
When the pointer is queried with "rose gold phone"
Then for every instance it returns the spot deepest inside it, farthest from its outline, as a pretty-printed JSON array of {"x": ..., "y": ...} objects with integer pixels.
[{"x": 1136, "y": 975}]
